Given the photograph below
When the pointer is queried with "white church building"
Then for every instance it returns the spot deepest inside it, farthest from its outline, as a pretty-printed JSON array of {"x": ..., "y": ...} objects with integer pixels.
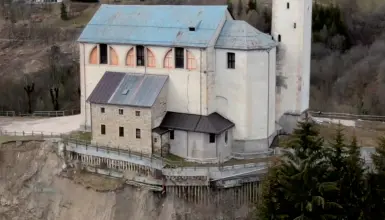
[{"x": 191, "y": 80}]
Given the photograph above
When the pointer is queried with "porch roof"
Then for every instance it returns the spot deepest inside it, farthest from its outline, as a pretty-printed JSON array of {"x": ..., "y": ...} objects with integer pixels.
[{"x": 213, "y": 123}]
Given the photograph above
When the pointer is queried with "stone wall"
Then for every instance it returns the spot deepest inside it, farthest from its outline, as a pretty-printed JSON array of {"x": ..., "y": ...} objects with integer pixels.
[{"x": 129, "y": 121}]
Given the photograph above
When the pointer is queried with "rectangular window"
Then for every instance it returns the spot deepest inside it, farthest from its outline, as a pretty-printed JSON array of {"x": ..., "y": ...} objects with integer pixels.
[
  {"x": 137, "y": 133},
  {"x": 103, "y": 129},
  {"x": 212, "y": 138},
  {"x": 226, "y": 137},
  {"x": 231, "y": 60},
  {"x": 155, "y": 140},
  {"x": 139, "y": 56},
  {"x": 179, "y": 57},
  {"x": 103, "y": 56},
  {"x": 171, "y": 135},
  {"x": 137, "y": 113},
  {"x": 287, "y": 5},
  {"x": 102, "y": 110},
  {"x": 295, "y": 25},
  {"x": 120, "y": 111},
  {"x": 121, "y": 131}
]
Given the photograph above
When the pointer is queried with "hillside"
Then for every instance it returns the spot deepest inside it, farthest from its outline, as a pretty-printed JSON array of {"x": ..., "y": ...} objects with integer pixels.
[
  {"x": 347, "y": 46},
  {"x": 34, "y": 186}
]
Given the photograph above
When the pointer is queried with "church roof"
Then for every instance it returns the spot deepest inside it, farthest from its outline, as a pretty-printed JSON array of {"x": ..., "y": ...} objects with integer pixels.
[
  {"x": 161, "y": 25},
  {"x": 128, "y": 89},
  {"x": 213, "y": 123},
  {"x": 240, "y": 35}
]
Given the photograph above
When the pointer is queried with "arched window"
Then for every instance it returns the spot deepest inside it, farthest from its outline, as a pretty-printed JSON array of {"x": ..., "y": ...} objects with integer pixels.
[
  {"x": 94, "y": 56},
  {"x": 168, "y": 61},
  {"x": 191, "y": 62},
  {"x": 114, "y": 59},
  {"x": 150, "y": 58},
  {"x": 130, "y": 60}
]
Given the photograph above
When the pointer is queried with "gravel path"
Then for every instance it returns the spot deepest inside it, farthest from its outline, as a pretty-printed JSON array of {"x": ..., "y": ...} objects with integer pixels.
[{"x": 64, "y": 124}]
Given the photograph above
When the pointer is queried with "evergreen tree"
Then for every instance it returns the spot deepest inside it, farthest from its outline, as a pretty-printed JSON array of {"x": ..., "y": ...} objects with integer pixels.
[
  {"x": 267, "y": 207},
  {"x": 336, "y": 153},
  {"x": 375, "y": 194},
  {"x": 63, "y": 11},
  {"x": 353, "y": 186},
  {"x": 302, "y": 190}
]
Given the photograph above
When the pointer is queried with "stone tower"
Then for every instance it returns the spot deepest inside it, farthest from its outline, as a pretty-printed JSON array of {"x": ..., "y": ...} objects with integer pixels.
[{"x": 291, "y": 28}]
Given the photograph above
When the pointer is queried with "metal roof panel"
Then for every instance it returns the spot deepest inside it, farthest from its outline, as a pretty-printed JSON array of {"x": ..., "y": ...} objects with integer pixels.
[
  {"x": 240, "y": 35},
  {"x": 163, "y": 25},
  {"x": 129, "y": 89}
]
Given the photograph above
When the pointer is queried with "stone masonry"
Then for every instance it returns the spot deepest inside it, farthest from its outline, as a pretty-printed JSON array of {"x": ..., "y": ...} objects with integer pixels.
[
  {"x": 113, "y": 120},
  {"x": 148, "y": 119}
]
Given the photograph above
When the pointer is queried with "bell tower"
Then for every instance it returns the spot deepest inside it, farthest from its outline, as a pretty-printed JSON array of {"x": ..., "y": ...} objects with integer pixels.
[{"x": 292, "y": 29}]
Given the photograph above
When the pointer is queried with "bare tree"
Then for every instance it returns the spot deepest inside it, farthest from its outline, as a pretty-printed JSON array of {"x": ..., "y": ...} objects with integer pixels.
[
  {"x": 55, "y": 75},
  {"x": 29, "y": 88}
]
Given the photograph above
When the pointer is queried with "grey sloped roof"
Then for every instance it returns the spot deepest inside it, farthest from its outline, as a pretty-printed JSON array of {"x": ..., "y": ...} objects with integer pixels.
[
  {"x": 213, "y": 123},
  {"x": 128, "y": 89},
  {"x": 240, "y": 35}
]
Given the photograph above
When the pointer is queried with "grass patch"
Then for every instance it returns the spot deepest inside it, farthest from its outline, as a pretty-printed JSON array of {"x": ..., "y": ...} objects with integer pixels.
[
  {"x": 367, "y": 135},
  {"x": 81, "y": 135}
]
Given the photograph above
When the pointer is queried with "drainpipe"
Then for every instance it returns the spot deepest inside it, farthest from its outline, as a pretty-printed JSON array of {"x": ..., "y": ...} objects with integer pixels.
[
  {"x": 200, "y": 82},
  {"x": 85, "y": 87},
  {"x": 268, "y": 97},
  {"x": 207, "y": 83},
  {"x": 145, "y": 60}
]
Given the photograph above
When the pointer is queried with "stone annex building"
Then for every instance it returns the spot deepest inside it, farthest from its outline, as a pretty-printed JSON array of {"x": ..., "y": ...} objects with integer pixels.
[{"x": 191, "y": 80}]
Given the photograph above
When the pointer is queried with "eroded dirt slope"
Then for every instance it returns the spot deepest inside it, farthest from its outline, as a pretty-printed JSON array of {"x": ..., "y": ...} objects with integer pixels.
[{"x": 31, "y": 188}]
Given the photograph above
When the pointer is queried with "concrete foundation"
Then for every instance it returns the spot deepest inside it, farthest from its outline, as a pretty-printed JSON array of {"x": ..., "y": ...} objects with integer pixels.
[{"x": 245, "y": 149}]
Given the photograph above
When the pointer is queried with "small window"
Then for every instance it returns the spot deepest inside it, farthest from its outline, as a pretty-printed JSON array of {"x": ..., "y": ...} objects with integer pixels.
[
  {"x": 226, "y": 137},
  {"x": 279, "y": 38},
  {"x": 212, "y": 138},
  {"x": 191, "y": 28},
  {"x": 295, "y": 25},
  {"x": 179, "y": 58},
  {"x": 231, "y": 60},
  {"x": 287, "y": 5},
  {"x": 102, "y": 110},
  {"x": 137, "y": 113},
  {"x": 139, "y": 55},
  {"x": 121, "y": 131},
  {"x": 103, "y": 129},
  {"x": 137, "y": 133},
  {"x": 103, "y": 56},
  {"x": 120, "y": 111},
  {"x": 155, "y": 140},
  {"x": 171, "y": 135}
]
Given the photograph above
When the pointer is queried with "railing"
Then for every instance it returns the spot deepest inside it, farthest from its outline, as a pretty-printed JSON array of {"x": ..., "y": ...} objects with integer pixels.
[
  {"x": 8, "y": 113},
  {"x": 41, "y": 113},
  {"x": 347, "y": 116},
  {"x": 68, "y": 138}
]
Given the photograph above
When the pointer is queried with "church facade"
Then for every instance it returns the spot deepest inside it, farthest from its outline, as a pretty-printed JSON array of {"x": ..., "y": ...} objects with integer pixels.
[{"x": 190, "y": 80}]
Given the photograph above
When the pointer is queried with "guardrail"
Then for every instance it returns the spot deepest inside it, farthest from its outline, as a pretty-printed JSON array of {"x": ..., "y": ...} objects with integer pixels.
[
  {"x": 347, "y": 116},
  {"x": 41, "y": 113}
]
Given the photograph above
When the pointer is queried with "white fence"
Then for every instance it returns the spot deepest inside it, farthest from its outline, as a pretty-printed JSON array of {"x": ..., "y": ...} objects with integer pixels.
[
  {"x": 347, "y": 116},
  {"x": 40, "y": 113}
]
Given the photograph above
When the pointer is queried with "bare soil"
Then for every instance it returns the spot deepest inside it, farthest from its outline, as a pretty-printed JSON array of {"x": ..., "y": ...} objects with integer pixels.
[{"x": 32, "y": 187}]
